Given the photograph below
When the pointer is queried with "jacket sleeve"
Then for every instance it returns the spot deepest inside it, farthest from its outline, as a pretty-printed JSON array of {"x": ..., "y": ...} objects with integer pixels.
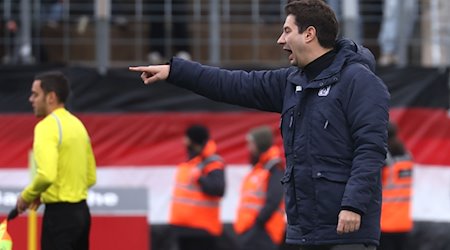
[
  {"x": 367, "y": 111},
  {"x": 212, "y": 180},
  {"x": 263, "y": 90},
  {"x": 213, "y": 183}
]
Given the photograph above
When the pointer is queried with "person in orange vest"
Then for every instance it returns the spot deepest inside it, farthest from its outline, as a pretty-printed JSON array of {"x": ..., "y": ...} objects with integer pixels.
[
  {"x": 199, "y": 187},
  {"x": 260, "y": 223},
  {"x": 396, "y": 221}
]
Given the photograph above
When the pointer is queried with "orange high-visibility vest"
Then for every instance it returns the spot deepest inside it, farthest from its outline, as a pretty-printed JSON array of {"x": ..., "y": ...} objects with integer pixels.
[
  {"x": 396, "y": 206},
  {"x": 253, "y": 197},
  {"x": 190, "y": 206}
]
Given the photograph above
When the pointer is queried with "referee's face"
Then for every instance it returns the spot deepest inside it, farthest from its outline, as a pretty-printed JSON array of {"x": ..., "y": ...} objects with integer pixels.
[{"x": 38, "y": 99}]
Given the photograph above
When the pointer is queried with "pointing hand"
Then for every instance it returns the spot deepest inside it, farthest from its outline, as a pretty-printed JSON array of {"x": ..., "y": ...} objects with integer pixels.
[{"x": 154, "y": 73}]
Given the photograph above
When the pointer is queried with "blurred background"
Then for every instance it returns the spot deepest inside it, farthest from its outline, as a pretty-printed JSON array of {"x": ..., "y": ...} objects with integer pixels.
[
  {"x": 224, "y": 32},
  {"x": 137, "y": 130}
]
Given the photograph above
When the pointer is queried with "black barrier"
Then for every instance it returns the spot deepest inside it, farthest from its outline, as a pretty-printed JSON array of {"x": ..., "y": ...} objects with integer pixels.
[{"x": 122, "y": 91}]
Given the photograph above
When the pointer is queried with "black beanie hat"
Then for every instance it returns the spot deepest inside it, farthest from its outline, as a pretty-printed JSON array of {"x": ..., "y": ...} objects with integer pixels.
[
  {"x": 392, "y": 130},
  {"x": 263, "y": 138},
  {"x": 198, "y": 134}
]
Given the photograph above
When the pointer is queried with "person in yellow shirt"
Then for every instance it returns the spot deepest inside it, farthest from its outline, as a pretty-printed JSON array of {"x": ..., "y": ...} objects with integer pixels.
[{"x": 65, "y": 167}]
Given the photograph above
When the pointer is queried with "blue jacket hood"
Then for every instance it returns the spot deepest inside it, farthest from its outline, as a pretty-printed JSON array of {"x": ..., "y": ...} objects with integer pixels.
[{"x": 355, "y": 53}]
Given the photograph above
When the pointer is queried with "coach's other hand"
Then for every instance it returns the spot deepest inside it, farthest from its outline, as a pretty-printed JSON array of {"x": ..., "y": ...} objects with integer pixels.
[
  {"x": 348, "y": 222},
  {"x": 154, "y": 73}
]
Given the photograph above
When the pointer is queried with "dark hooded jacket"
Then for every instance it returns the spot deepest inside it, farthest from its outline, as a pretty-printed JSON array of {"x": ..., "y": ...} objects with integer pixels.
[{"x": 334, "y": 130}]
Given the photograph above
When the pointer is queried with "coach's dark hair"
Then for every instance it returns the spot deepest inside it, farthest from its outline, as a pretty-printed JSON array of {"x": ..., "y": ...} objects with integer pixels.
[
  {"x": 318, "y": 14},
  {"x": 54, "y": 81}
]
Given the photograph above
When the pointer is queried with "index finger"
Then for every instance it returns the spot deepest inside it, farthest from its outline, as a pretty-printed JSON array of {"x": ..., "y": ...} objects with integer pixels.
[{"x": 138, "y": 68}]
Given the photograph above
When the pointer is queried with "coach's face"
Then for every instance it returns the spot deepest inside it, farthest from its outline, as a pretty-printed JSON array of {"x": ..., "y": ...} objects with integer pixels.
[
  {"x": 293, "y": 42},
  {"x": 38, "y": 99}
]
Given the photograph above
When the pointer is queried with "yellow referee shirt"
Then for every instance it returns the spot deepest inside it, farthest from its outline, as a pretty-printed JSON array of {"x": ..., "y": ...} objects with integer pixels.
[{"x": 65, "y": 163}]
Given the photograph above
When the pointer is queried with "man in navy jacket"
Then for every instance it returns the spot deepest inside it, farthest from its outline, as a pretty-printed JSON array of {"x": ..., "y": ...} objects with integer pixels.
[{"x": 334, "y": 115}]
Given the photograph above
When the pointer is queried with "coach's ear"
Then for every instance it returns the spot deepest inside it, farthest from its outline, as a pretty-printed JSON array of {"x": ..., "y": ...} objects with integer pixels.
[{"x": 310, "y": 34}]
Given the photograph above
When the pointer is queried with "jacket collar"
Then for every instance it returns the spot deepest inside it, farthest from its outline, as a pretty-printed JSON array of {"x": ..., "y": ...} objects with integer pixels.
[
  {"x": 348, "y": 52},
  {"x": 209, "y": 149},
  {"x": 314, "y": 68},
  {"x": 271, "y": 153}
]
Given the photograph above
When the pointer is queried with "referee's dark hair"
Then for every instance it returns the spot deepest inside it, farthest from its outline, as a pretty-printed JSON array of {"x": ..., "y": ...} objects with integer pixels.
[{"x": 54, "y": 81}]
